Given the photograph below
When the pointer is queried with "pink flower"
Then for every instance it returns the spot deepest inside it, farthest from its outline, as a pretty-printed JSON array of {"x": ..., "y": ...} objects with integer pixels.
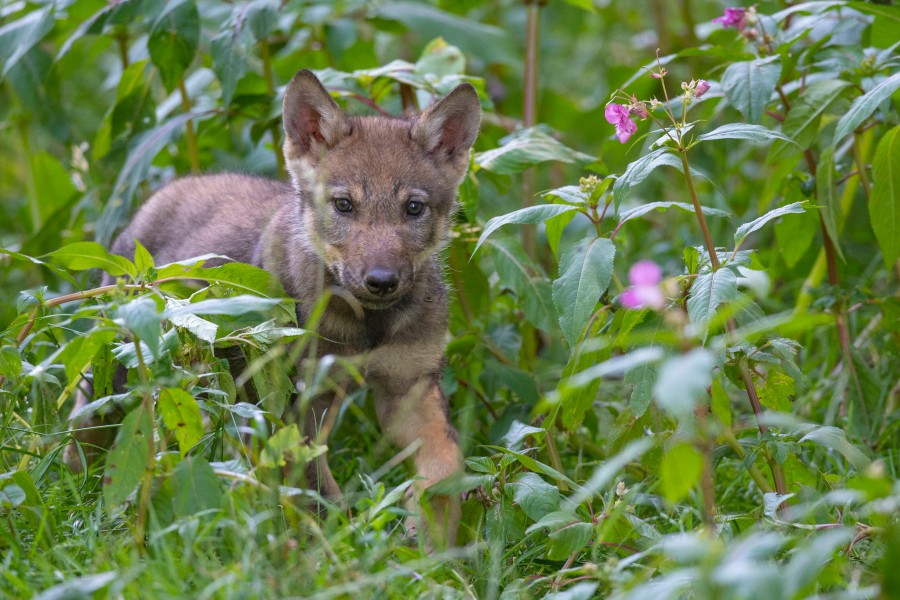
[
  {"x": 638, "y": 108},
  {"x": 644, "y": 292},
  {"x": 733, "y": 17},
  {"x": 702, "y": 88},
  {"x": 619, "y": 115}
]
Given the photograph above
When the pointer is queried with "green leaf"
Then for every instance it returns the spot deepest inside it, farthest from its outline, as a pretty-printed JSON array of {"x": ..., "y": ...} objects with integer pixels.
[
  {"x": 682, "y": 381},
  {"x": 515, "y": 270},
  {"x": 128, "y": 459},
  {"x": 708, "y": 291},
  {"x": 491, "y": 43},
  {"x": 884, "y": 204},
  {"x": 585, "y": 271},
  {"x": 747, "y": 228},
  {"x": 181, "y": 414},
  {"x": 140, "y": 316},
  {"x": 826, "y": 196},
  {"x": 21, "y": 35},
  {"x": 237, "y": 276},
  {"x": 680, "y": 471},
  {"x": 836, "y": 439},
  {"x": 173, "y": 40},
  {"x": 567, "y": 533},
  {"x": 642, "y": 378},
  {"x": 81, "y": 256},
  {"x": 86, "y": 586},
  {"x": 795, "y": 235},
  {"x": 743, "y": 131},
  {"x": 721, "y": 403},
  {"x": 643, "y": 209},
  {"x": 525, "y": 148},
  {"x": 534, "y": 495},
  {"x": 229, "y": 58},
  {"x": 10, "y": 362},
  {"x": 776, "y": 391},
  {"x": 604, "y": 474},
  {"x": 802, "y": 122},
  {"x": 233, "y": 305},
  {"x": 863, "y": 107},
  {"x": 196, "y": 487},
  {"x": 531, "y": 214},
  {"x": 554, "y": 227},
  {"x": 583, "y": 590},
  {"x": 749, "y": 85},
  {"x": 640, "y": 169}
]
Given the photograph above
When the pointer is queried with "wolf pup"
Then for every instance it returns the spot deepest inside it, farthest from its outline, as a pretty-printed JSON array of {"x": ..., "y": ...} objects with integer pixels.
[{"x": 369, "y": 208}]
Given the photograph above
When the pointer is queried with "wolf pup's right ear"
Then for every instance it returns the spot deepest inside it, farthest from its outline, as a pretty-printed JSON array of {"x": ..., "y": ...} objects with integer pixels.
[
  {"x": 448, "y": 128},
  {"x": 313, "y": 121}
]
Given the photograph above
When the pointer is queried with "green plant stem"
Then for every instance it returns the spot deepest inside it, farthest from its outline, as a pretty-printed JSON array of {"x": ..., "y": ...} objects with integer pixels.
[
  {"x": 147, "y": 405},
  {"x": 270, "y": 88},
  {"x": 193, "y": 149},
  {"x": 749, "y": 386},
  {"x": 755, "y": 473},
  {"x": 861, "y": 167}
]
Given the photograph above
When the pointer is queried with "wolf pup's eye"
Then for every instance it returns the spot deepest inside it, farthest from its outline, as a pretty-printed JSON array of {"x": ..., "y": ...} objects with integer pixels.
[
  {"x": 342, "y": 204},
  {"x": 414, "y": 208}
]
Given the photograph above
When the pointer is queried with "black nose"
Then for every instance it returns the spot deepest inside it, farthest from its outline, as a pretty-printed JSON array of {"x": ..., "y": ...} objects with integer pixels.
[{"x": 381, "y": 281}]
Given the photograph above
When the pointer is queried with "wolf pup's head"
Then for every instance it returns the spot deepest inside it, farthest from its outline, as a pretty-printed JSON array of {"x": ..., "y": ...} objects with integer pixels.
[{"x": 377, "y": 192}]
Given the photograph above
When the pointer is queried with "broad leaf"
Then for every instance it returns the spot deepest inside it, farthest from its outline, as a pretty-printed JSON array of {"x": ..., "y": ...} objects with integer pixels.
[
  {"x": 643, "y": 378},
  {"x": 526, "y": 148},
  {"x": 749, "y": 85},
  {"x": 836, "y": 439},
  {"x": 827, "y": 197},
  {"x": 173, "y": 40},
  {"x": 517, "y": 272},
  {"x": 234, "y": 305},
  {"x": 585, "y": 271},
  {"x": 181, "y": 414},
  {"x": 643, "y": 209},
  {"x": 640, "y": 169},
  {"x": 802, "y": 122},
  {"x": 743, "y": 131},
  {"x": 884, "y": 205},
  {"x": 708, "y": 291},
  {"x": 129, "y": 457},
  {"x": 747, "y": 228},
  {"x": 863, "y": 107},
  {"x": 23, "y": 34},
  {"x": 141, "y": 317},
  {"x": 528, "y": 215},
  {"x": 534, "y": 495},
  {"x": 196, "y": 487},
  {"x": 91, "y": 255},
  {"x": 680, "y": 471}
]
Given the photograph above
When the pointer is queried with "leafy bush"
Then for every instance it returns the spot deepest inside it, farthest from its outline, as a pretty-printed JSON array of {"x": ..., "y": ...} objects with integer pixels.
[{"x": 677, "y": 378}]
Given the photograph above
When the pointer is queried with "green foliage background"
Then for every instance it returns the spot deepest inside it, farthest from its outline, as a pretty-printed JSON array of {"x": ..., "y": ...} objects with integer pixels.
[{"x": 610, "y": 452}]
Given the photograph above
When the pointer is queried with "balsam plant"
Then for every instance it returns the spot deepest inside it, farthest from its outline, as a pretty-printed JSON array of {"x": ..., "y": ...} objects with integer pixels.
[{"x": 679, "y": 381}]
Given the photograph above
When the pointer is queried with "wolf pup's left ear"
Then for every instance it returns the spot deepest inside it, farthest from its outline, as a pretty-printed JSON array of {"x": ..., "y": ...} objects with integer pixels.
[
  {"x": 448, "y": 128},
  {"x": 313, "y": 121}
]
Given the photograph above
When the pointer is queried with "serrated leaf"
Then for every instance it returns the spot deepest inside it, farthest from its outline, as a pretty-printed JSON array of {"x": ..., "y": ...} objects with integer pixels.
[
  {"x": 233, "y": 305},
  {"x": 203, "y": 329},
  {"x": 529, "y": 215},
  {"x": 743, "y": 131},
  {"x": 195, "y": 486},
  {"x": 128, "y": 458},
  {"x": 643, "y": 209},
  {"x": 721, "y": 403},
  {"x": 747, "y": 228},
  {"x": 708, "y": 291},
  {"x": 863, "y": 107},
  {"x": 776, "y": 391},
  {"x": 181, "y": 414},
  {"x": 229, "y": 58},
  {"x": 640, "y": 169},
  {"x": 173, "y": 40},
  {"x": 749, "y": 85},
  {"x": 526, "y": 148},
  {"x": 534, "y": 495},
  {"x": 585, "y": 271},
  {"x": 682, "y": 381},
  {"x": 884, "y": 204},
  {"x": 680, "y": 471},
  {"x": 81, "y": 256}
]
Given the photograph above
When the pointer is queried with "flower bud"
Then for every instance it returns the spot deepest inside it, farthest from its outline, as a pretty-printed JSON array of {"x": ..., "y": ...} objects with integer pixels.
[{"x": 702, "y": 88}]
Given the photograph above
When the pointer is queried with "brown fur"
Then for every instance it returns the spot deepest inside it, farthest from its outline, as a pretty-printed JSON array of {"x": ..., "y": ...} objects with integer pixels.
[{"x": 296, "y": 232}]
